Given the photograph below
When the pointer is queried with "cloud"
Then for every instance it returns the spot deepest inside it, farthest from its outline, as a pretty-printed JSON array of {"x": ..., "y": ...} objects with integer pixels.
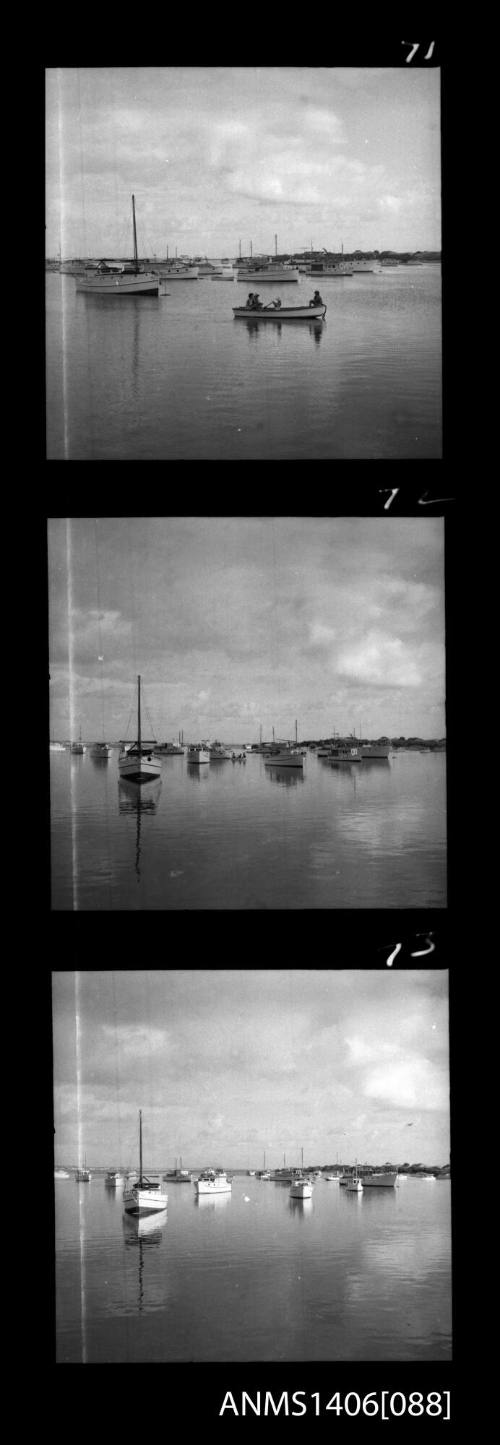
[{"x": 380, "y": 659}]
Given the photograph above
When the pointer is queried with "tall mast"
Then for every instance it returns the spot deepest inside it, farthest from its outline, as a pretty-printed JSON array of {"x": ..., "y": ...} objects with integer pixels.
[
  {"x": 139, "y": 713},
  {"x": 302, "y": 1157},
  {"x": 275, "y": 244},
  {"x": 135, "y": 233},
  {"x": 296, "y": 730},
  {"x": 140, "y": 1146}
]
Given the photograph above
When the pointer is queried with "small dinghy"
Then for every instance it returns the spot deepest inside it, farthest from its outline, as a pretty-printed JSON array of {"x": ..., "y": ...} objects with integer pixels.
[{"x": 281, "y": 313}]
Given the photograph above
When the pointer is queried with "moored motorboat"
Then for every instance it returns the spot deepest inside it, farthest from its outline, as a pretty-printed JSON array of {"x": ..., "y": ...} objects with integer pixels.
[
  {"x": 78, "y": 747},
  {"x": 145, "y": 1196},
  {"x": 61, "y": 1174},
  {"x": 380, "y": 1179},
  {"x": 197, "y": 754},
  {"x": 355, "y": 1185},
  {"x": 136, "y": 763},
  {"x": 283, "y": 756},
  {"x": 218, "y": 753},
  {"x": 281, "y": 313},
  {"x": 301, "y": 1187},
  {"x": 100, "y": 750},
  {"x": 213, "y": 1181},
  {"x": 376, "y": 750}
]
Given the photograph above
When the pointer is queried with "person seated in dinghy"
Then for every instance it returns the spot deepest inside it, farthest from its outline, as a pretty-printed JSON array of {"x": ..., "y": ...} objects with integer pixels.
[
  {"x": 256, "y": 303},
  {"x": 276, "y": 303},
  {"x": 317, "y": 300}
]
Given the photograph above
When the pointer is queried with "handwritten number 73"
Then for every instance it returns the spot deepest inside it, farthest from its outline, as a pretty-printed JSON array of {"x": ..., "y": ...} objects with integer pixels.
[{"x": 415, "y": 47}]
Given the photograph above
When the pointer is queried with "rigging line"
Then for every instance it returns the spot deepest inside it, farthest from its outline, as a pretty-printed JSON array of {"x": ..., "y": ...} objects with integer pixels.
[{"x": 99, "y": 629}]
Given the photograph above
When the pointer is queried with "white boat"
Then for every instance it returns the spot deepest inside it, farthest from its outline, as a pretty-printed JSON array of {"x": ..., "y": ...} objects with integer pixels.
[
  {"x": 213, "y": 1181},
  {"x": 268, "y": 271},
  {"x": 176, "y": 271},
  {"x": 61, "y": 1174},
  {"x": 283, "y": 756},
  {"x": 426, "y": 1176},
  {"x": 83, "y": 1175},
  {"x": 380, "y": 1179},
  {"x": 197, "y": 754},
  {"x": 375, "y": 750},
  {"x": 355, "y": 1185},
  {"x": 226, "y": 273},
  {"x": 120, "y": 278},
  {"x": 332, "y": 1178},
  {"x": 113, "y": 1179},
  {"x": 78, "y": 747},
  {"x": 145, "y": 1196},
  {"x": 301, "y": 1187},
  {"x": 331, "y": 270},
  {"x": 136, "y": 763},
  {"x": 100, "y": 750},
  {"x": 272, "y": 312},
  {"x": 57, "y": 747}
]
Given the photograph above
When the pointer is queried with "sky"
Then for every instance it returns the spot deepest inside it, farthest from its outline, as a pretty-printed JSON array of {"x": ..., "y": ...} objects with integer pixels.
[
  {"x": 219, "y": 155},
  {"x": 228, "y": 1065},
  {"x": 240, "y": 623}
]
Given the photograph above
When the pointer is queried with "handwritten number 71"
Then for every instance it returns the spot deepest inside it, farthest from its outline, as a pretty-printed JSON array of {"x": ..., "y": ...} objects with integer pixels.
[{"x": 415, "y": 47}]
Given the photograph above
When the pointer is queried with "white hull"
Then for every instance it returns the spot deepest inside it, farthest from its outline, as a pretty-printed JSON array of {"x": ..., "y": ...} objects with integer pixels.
[
  {"x": 112, "y": 1181},
  {"x": 355, "y": 1188},
  {"x": 144, "y": 1201},
  {"x": 135, "y": 768},
  {"x": 188, "y": 273},
  {"x": 281, "y": 313},
  {"x": 198, "y": 755},
  {"x": 301, "y": 1189},
  {"x": 380, "y": 1181},
  {"x": 61, "y": 1174},
  {"x": 272, "y": 273},
  {"x": 57, "y": 747},
  {"x": 215, "y": 1184},
  {"x": 144, "y": 284}
]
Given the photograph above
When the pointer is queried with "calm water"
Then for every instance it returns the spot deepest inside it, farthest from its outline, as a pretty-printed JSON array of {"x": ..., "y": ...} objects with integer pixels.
[
  {"x": 370, "y": 835},
  {"x": 179, "y": 378},
  {"x": 254, "y": 1275}
]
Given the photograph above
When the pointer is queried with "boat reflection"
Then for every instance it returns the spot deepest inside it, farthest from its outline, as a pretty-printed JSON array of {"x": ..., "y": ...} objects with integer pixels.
[
  {"x": 143, "y": 1233},
  {"x": 132, "y": 800},
  {"x": 300, "y": 1206},
  {"x": 198, "y": 774},
  {"x": 314, "y": 328},
  {"x": 289, "y": 776},
  {"x": 211, "y": 1201}
]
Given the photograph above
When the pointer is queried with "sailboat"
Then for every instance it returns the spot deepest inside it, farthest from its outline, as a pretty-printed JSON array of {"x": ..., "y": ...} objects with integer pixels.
[
  {"x": 136, "y": 763},
  {"x": 355, "y": 1184},
  {"x": 78, "y": 747},
  {"x": 145, "y": 1196},
  {"x": 100, "y": 750},
  {"x": 301, "y": 1187},
  {"x": 83, "y": 1176},
  {"x": 120, "y": 278}
]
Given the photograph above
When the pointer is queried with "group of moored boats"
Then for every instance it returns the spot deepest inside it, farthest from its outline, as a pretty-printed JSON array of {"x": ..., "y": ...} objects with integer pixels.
[
  {"x": 144, "y": 1194},
  {"x": 130, "y": 278}
]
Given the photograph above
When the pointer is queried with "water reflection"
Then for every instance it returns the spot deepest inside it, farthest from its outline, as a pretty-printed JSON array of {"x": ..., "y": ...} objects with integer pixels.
[
  {"x": 300, "y": 1206},
  {"x": 131, "y": 799},
  {"x": 196, "y": 773},
  {"x": 143, "y": 1233},
  {"x": 289, "y": 776}
]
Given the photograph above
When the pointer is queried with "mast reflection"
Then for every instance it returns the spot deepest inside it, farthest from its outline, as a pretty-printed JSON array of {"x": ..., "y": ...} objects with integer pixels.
[
  {"x": 131, "y": 799},
  {"x": 142, "y": 1234}
]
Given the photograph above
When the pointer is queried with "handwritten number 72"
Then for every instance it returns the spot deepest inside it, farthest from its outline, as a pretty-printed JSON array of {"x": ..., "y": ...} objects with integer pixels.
[{"x": 415, "y": 47}]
